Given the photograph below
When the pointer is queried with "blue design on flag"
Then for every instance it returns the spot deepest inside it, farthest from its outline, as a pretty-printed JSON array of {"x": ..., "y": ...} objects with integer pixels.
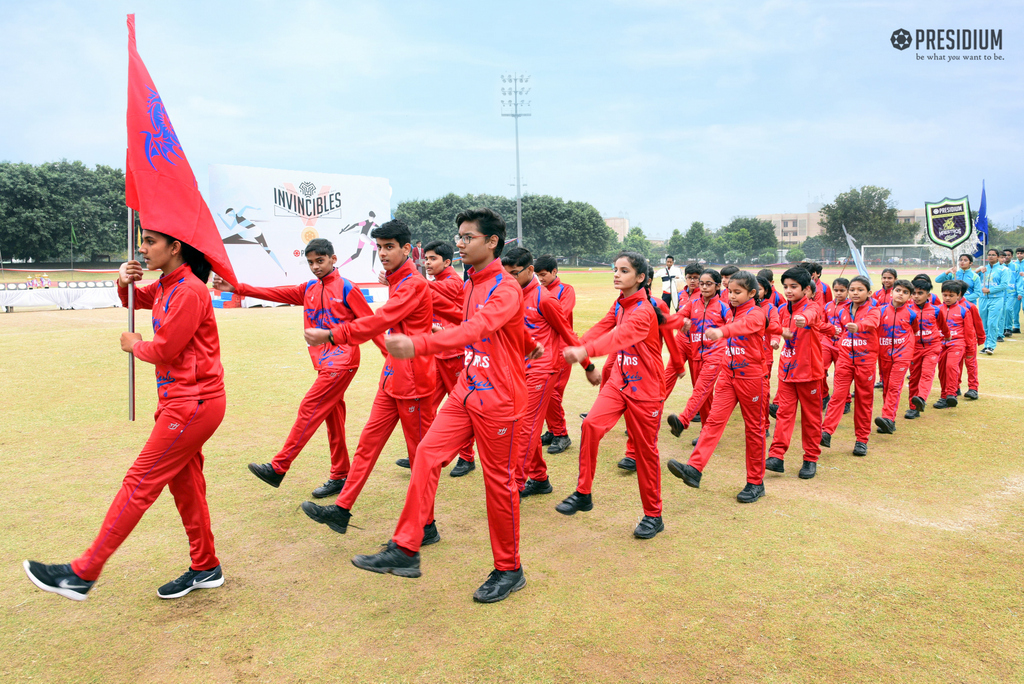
[
  {"x": 981, "y": 226},
  {"x": 162, "y": 141}
]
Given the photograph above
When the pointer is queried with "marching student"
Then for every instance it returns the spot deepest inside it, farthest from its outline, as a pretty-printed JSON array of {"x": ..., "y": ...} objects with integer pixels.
[
  {"x": 328, "y": 299},
  {"x": 897, "y": 329},
  {"x": 185, "y": 351},
  {"x": 726, "y": 273},
  {"x": 556, "y": 439},
  {"x": 927, "y": 346},
  {"x": 696, "y": 317},
  {"x": 800, "y": 375},
  {"x": 822, "y": 292},
  {"x": 994, "y": 280},
  {"x": 971, "y": 353},
  {"x": 741, "y": 381},
  {"x": 768, "y": 274},
  {"x": 1010, "y": 294},
  {"x": 855, "y": 364},
  {"x": 546, "y": 324},
  {"x": 487, "y": 403},
  {"x": 670, "y": 275},
  {"x": 829, "y": 336},
  {"x": 965, "y": 274},
  {"x": 692, "y": 275},
  {"x": 772, "y": 340},
  {"x": 960, "y": 322},
  {"x": 636, "y": 388},
  {"x": 1017, "y": 267},
  {"x": 406, "y": 389},
  {"x": 884, "y": 295}
]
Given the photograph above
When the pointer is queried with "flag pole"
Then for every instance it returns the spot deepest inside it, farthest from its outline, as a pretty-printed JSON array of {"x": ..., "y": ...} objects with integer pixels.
[{"x": 131, "y": 317}]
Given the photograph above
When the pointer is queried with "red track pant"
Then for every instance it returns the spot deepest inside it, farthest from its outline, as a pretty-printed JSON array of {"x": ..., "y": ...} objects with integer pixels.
[
  {"x": 828, "y": 358},
  {"x": 809, "y": 396},
  {"x": 556, "y": 414},
  {"x": 416, "y": 416},
  {"x": 766, "y": 397},
  {"x": 643, "y": 418},
  {"x": 496, "y": 440},
  {"x": 448, "y": 373},
  {"x": 172, "y": 457},
  {"x": 749, "y": 393},
  {"x": 922, "y": 370},
  {"x": 703, "y": 390},
  {"x": 950, "y": 360},
  {"x": 971, "y": 361},
  {"x": 894, "y": 374},
  {"x": 539, "y": 389},
  {"x": 863, "y": 380},
  {"x": 324, "y": 402}
]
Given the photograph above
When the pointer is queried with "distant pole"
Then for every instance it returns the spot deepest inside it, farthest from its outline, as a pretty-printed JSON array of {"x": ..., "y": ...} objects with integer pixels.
[
  {"x": 515, "y": 90},
  {"x": 131, "y": 317}
]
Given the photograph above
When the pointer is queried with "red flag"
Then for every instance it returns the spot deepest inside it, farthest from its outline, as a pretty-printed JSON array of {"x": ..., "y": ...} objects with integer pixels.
[{"x": 159, "y": 183}]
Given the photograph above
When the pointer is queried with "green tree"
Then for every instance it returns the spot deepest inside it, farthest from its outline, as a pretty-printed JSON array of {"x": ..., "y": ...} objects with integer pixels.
[
  {"x": 708, "y": 256},
  {"x": 870, "y": 217},
  {"x": 696, "y": 240},
  {"x": 734, "y": 257},
  {"x": 739, "y": 241},
  {"x": 795, "y": 255},
  {"x": 676, "y": 245},
  {"x": 760, "y": 233},
  {"x": 636, "y": 241},
  {"x": 767, "y": 257},
  {"x": 814, "y": 246}
]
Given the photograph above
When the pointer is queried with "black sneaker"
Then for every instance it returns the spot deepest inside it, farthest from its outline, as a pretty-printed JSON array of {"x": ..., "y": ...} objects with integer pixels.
[
  {"x": 584, "y": 415},
  {"x": 546, "y": 438},
  {"x": 941, "y": 403},
  {"x": 860, "y": 449},
  {"x": 971, "y": 394},
  {"x": 192, "y": 579},
  {"x": 329, "y": 488},
  {"x": 952, "y": 401},
  {"x": 693, "y": 442},
  {"x": 575, "y": 502},
  {"x": 958, "y": 391},
  {"x": 648, "y": 527},
  {"x": 333, "y": 516},
  {"x": 878, "y": 385},
  {"x": 685, "y": 472},
  {"x": 773, "y": 409},
  {"x": 826, "y": 440},
  {"x": 1007, "y": 333},
  {"x": 534, "y": 487},
  {"x": 462, "y": 467},
  {"x": 999, "y": 339},
  {"x": 988, "y": 351},
  {"x": 499, "y": 584},
  {"x": 774, "y": 464},
  {"x": 1016, "y": 331},
  {"x": 430, "y": 534},
  {"x": 675, "y": 424},
  {"x": 846, "y": 408},
  {"x": 750, "y": 493},
  {"x": 628, "y": 463},
  {"x": 918, "y": 403},
  {"x": 266, "y": 472},
  {"x": 885, "y": 426},
  {"x": 824, "y": 402},
  {"x": 58, "y": 579},
  {"x": 911, "y": 414},
  {"x": 808, "y": 470},
  {"x": 403, "y": 463},
  {"x": 696, "y": 418},
  {"x": 392, "y": 560},
  {"x": 559, "y": 444}
]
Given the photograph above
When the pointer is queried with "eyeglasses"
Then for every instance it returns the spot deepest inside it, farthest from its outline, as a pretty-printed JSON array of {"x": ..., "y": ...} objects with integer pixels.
[
  {"x": 459, "y": 239},
  {"x": 515, "y": 274}
]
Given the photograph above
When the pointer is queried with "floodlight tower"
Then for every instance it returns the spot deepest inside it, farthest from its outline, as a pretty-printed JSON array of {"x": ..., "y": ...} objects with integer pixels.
[{"x": 515, "y": 90}]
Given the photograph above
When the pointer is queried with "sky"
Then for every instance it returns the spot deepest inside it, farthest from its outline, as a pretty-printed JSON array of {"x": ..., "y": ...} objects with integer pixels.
[{"x": 664, "y": 112}]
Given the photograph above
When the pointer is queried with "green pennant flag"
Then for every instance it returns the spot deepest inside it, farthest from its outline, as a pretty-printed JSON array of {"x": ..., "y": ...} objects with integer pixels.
[{"x": 74, "y": 240}]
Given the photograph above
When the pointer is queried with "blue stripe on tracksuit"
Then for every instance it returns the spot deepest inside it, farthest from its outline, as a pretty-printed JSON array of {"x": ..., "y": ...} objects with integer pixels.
[
  {"x": 996, "y": 279},
  {"x": 1012, "y": 313}
]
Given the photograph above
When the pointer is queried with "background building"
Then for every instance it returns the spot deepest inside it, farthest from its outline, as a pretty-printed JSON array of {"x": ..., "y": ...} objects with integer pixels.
[
  {"x": 619, "y": 224},
  {"x": 793, "y": 229}
]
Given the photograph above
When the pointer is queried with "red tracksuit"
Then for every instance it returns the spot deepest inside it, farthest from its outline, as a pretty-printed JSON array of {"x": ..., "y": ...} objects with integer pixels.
[
  {"x": 566, "y": 296},
  {"x": 800, "y": 374},
  {"x": 741, "y": 381},
  {"x": 682, "y": 344},
  {"x": 822, "y": 294},
  {"x": 406, "y": 385},
  {"x": 635, "y": 387},
  {"x": 447, "y": 287},
  {"x": 931, "y": 321},
  {"x": 190, "y": 405},
  {"x": 546, "y": 324},
  {"x": 858, "y": 354},
  {"x": 326, "y": 302},
  {"x": 829, "y": 350},
  {"x": 961, "y": 329},
  {"x": 487, "y": 402},
  {"x": 706, "y": 357},
  {"x": 897, "y": 332},
  {"x": 971, "y": 355},
  {"x": 773, "y": 334},
  {"x": 883, "y": 296}
]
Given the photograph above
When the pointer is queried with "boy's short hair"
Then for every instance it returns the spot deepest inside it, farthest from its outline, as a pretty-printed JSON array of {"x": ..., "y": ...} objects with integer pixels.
[
  {"x": 767, "y": 274},
  {"x": 489, "y": 222},
  {"x": 693, "y": 269},
  {"x": 905, "y": 284},
  {"x": 729, "y": 271},
  {"x": 1007, "y": 251},
  {"x": 923, "y": 276},
  {"x": 844, "y": 282},
  {"x": 799, "y": 275},
  {"x": 890, "y": 270},
  {"x": 813, "y": 267},
  {"x": 1020, "y": 250},
  {"x": 395, "y": 229},
  {"x": 669, "y": 256},
  {"x": 517, "y": 257},
  {"x": 320, "y": 247},
  {"x": 922, "y": 284},
  {"x": 545, "y": 262},
  {"x": 951, "y": 286},
  {"x": 441, "y": 249},
  {"x": 964, "y": 287}
]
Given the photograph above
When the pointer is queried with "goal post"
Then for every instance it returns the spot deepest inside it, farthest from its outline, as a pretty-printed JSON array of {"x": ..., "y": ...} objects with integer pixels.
[{"x": 887, "y": 255}]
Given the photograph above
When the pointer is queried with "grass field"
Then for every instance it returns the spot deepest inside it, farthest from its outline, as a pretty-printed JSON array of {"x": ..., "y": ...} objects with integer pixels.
[{"x": 904, "y": 566}]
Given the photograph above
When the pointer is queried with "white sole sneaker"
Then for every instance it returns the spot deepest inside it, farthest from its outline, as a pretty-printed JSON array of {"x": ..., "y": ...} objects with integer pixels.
[
  {"x": 66, "y": 592},
  {"x": 209, "y": 584}
]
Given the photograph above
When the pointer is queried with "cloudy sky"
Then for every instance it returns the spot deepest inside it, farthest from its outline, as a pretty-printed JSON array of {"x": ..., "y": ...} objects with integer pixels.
[{"x": 667, "y": 112}]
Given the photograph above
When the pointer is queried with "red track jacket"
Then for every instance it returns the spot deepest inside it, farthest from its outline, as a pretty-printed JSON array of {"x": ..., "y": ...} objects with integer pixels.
[
  {"x": 800, "y": 360},
  {"x": 930, "y": 320},
  {"x": 979, "y": 327},
  {"x": 446, "y": 289},
  {"x": 883, "y": 296},
  {"x": 703, "y": 316},
  {"x": 744, "y": 333},
  {"x": 546, "y": 323},
  {"x": 960, "y": 323},
  {"x": 630, "y": 330},
  {"x": 566, "y": 296},
  {"x": 773, "y": 332},
  {"x": 896, "y": 333},
  {"x": 858, "y": 348},
  {"x": 185, "y": 347}
]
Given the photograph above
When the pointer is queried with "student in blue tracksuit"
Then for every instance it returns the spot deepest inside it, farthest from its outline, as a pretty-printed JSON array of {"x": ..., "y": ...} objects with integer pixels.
[
  {"x": 1011, "y": 305},
  {"x": 965, "y": 274},
  {"x": 1018, "y": 264},
  {"x": 994, "y": 279}
]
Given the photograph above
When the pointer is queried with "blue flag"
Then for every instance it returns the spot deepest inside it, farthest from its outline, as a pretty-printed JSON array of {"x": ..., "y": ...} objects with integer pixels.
[
  {"x": 981, "y": 226},
  {"x": 855, "y": 253}
]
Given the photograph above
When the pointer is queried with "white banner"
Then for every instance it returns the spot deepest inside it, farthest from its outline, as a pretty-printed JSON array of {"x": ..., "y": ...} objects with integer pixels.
[{"x": 266, "y": 217}]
